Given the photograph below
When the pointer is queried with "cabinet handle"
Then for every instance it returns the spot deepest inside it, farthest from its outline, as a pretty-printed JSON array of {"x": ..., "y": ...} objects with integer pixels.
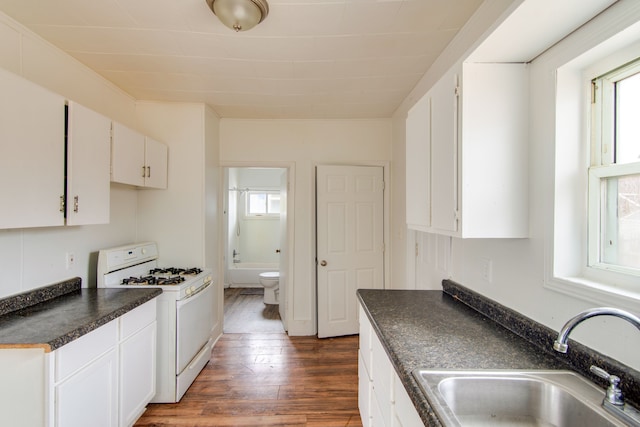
[
  {"x": 148, "y": 171},
  {"x": 144, "y": 170},
  {"x": 75, "y": 204},
  {"x": 62, "y": 204}
]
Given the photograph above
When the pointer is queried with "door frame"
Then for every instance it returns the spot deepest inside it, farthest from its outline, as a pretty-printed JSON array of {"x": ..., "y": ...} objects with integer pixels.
[
  {"x": 386, "y": 224},
  {"x": 291, "y": 169}
]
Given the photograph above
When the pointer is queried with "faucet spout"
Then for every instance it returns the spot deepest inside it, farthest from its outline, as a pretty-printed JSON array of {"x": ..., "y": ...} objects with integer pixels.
[{"x": 560, "y": 345}]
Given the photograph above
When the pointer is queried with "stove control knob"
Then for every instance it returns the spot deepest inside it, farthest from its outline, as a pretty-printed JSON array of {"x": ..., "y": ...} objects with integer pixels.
[{"x": 187, "y": 291}]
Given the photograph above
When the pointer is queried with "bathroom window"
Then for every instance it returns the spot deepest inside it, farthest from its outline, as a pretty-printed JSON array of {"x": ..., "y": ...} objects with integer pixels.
[
  {"x": 262, "y": 204},
  {"x": 614, "y": 174}
]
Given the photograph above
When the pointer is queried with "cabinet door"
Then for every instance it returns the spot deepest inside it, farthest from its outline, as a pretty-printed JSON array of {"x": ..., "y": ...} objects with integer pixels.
[
  {"x": 382, "y": 380},
  {"x": 137, "y": 373},
  {"x": 405, "y": 414},
  {"x": 365, "y": 385},
  {"x": 155, "y": 163},
  {"x": 127, "y": 156},
  {"x": 494, "y": 150},
  {"x": 88, "y": 165},
  {"x": 418, "y": 165},
  {"x": 89, "y": 397},
  {"x": 444, "y": 153},
  {"x": 32, "y": 160}
]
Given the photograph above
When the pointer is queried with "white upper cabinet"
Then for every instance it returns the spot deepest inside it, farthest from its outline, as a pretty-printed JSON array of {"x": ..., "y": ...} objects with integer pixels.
[
  {"x": 127, "y": 156},
  {"x": 444, "y": 151},
  {"x": 418, "y": 165},
  {"x": 493, "y": 150},
  {"x": 478, "y": 153},
  {"x": 156, "y": 156},
  {"x": 136, "y": 159},
  {"x": 32, "y": 160},
  {"x": 88, "y": 166},
  {"x": 33, "y": 171}
]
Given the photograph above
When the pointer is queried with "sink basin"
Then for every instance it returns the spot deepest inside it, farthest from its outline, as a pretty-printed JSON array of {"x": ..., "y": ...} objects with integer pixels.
[{"x": 514, "y": 398}]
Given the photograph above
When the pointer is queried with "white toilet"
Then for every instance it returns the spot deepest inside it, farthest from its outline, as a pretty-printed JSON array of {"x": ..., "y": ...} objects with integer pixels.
[{"x": 270, "y": 281}]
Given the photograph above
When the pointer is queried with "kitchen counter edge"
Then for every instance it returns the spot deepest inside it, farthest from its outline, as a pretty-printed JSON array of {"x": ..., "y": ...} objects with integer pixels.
[{"x": 55, "y": 315}]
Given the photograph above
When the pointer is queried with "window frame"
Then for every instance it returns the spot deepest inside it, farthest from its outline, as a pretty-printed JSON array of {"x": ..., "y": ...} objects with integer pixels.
[
  {"x": 575, "y": 63},
  {"x": 268, "y": 214},
  {"x": 602, "y": 166}
]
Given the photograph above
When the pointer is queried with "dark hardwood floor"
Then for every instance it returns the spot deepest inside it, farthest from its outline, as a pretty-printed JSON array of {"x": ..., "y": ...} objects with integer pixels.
[{"x": 259, "y": 378}]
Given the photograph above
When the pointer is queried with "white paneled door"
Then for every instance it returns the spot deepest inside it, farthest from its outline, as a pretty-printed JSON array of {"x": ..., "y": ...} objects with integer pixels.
[{"x": 350, "y": 243}]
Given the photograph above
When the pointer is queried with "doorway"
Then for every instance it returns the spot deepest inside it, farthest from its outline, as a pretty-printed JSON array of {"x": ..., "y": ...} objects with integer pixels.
[{"x": 256, "y": 240}]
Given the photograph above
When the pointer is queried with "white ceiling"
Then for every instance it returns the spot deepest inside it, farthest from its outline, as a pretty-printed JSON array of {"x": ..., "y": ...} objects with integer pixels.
[{"x": 308, "y": 59}]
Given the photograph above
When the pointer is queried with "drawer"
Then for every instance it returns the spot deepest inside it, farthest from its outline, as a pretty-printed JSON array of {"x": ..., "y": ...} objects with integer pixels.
[
  {"x": 73, "y": 356},
  {"x": 406, "y": 413},
  {"x": 137, "y": 319}
]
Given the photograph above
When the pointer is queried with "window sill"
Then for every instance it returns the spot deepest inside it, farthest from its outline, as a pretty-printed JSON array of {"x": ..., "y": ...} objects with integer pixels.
[{"x": 595, "y": 292}]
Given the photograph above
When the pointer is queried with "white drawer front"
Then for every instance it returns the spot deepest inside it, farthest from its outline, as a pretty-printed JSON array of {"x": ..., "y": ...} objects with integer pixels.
[
  {"x": 137, "y": 319},
  {"x": 406, "y": 413},
  {"x": 78, "y": 353}
]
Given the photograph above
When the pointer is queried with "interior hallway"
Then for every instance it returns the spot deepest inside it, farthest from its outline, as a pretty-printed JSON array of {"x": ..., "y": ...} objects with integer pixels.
[{"x": 261, "y": 377}]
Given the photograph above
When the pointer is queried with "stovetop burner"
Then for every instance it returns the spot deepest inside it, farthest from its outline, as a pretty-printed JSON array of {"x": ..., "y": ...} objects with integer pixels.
[
  {"x": 153, "y": 280},
  {"x": 173, "y": 271},
  {"x": 163, "y": 276}
]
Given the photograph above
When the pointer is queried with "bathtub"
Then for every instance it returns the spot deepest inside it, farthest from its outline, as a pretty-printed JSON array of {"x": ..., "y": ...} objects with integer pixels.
[{"x": 245, "y": 274}]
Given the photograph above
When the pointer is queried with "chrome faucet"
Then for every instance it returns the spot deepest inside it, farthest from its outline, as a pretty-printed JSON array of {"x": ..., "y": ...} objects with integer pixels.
[
  {"x": 614, "y": 400},
  {"x": 561, "y": 345}
]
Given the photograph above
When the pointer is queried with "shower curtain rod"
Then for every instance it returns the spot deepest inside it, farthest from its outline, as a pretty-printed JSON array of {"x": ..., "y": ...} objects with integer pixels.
[{"x": 253, "y": 189}]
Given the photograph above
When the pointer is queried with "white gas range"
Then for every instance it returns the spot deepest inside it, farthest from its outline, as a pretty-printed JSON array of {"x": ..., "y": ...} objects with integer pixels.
[{"x": 185, "y": 312}]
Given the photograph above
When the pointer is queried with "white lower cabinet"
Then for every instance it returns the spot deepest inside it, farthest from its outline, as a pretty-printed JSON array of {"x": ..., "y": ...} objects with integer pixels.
[
  {"x": 382, "y": 399},
  {"x": 365, "y": 390},
  {"x": 137, "y": 380},
  {"x": 89, "y": 397},
  {"x": 405, "y": 413},
  {"x": 105, "y": 378}
]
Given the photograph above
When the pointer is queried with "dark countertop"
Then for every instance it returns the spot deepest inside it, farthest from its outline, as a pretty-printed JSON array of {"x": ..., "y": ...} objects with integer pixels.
[
  {"x": 55, "y": 315},
  {"x": 437, "y": 330}
]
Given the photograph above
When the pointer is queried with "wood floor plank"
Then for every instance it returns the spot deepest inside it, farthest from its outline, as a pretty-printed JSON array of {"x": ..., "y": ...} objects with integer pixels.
[{"x": 269, "y": 379}]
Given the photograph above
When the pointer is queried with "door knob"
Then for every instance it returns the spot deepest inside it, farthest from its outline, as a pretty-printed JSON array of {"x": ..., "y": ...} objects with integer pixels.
[{"x": 323, "y": 263}]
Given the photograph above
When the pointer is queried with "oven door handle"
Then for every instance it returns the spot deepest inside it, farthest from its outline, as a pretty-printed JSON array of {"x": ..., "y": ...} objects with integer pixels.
[{"x": 196, "y": 294}]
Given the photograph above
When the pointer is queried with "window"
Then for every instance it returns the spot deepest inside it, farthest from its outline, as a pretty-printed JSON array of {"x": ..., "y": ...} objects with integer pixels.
[
  {"x": 262, "y": 204},
  {"x": 614, "y": 175}
]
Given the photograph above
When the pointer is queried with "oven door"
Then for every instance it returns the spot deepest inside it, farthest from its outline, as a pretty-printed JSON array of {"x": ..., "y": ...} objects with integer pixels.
[{"x": 194, "y": 325}]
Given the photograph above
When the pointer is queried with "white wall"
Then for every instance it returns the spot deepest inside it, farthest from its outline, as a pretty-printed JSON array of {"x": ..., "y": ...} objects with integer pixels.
[
  {"x": 306, "y": 143},
  {"x": 175, "y": 217},
  {"x": 519, "y": 264},
  {"x": 32, "y": 258}
]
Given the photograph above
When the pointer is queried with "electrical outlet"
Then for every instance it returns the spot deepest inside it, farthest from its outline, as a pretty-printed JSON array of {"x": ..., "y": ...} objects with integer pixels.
[
  {"x": 71, "y": 260},
  {"x": 487, "y": 270}
]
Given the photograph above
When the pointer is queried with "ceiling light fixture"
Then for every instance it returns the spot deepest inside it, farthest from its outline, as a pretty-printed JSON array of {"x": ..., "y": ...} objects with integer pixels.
[{"x": 240, "y": 15}]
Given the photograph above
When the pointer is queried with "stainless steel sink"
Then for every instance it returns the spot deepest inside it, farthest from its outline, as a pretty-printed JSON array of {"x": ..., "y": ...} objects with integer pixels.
[{"x": 514, "y": 398}]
